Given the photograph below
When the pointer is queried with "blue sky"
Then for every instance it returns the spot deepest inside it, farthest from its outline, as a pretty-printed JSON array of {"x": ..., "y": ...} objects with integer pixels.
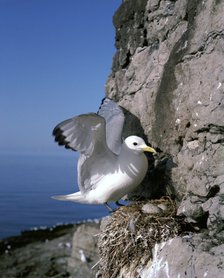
[{"x": 55, "y": 57}]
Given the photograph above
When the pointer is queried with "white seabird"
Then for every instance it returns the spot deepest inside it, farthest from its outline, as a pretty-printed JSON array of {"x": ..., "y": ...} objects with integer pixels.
[{"x": 108, "y": 168}]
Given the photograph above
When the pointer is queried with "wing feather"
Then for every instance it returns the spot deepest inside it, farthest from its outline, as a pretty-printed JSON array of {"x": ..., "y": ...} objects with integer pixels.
[
  {"x": 82, "y": 133},
  {"x": 87, "y": 134},
  {"x": 97, "y": 137},
  {"x": 114, "y": 118}
]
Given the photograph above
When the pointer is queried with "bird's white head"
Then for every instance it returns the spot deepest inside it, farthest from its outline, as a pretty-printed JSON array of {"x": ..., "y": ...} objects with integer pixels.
[{"x": 137, "y": 144}]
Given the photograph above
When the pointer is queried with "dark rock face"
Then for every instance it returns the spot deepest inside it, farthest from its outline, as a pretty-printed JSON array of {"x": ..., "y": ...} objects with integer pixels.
[
  {"x": 37, "y": 254},
  {"x": 168, "y": 73},
  {"x": 84, "y": 251},
  {"x": 62, "y": 251}
]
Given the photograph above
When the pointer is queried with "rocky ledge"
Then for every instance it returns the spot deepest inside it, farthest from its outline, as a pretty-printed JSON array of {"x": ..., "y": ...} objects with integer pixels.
[{"x": 61, "y": 251}]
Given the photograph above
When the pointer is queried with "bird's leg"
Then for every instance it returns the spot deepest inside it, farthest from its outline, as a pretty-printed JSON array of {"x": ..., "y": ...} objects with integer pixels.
[
  {"x": 108, "y": 207},
  {"x": 119, "y": 204}
]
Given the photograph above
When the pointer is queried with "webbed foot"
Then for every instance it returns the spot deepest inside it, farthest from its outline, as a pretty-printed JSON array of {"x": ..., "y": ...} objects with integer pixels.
[
  {"x": 109, "y": 208},
  {"x": 119, "y": 204}
]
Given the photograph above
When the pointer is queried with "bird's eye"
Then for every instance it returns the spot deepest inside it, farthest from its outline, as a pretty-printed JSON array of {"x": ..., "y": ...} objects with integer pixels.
[{"x": 135, "y": 144}]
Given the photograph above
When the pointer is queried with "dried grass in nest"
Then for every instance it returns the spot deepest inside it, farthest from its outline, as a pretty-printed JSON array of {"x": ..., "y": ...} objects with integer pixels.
[{"x": 130, "y": 235}]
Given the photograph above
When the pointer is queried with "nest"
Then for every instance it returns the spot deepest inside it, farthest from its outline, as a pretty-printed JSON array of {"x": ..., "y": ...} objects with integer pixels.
[{"x": 129, "y": 235}]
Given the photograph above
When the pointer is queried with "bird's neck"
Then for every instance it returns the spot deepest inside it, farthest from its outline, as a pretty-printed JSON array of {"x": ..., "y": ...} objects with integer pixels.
[
  {"x": 135, "y": 162},
  {"x": 127, "y": 152}
]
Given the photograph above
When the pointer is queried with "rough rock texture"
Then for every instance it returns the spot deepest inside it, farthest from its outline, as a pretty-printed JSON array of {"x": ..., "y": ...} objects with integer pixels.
[
  {"x": 194, "y": 256},
  {"x": 84, "y": 251},
  {"x": 52, "y": 252},
  {"x": 168, "y": 74},
  {"x": 37, "y": 254}
]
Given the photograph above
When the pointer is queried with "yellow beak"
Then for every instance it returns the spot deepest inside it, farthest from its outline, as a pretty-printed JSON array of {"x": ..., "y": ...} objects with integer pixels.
[{"x": 149, "y": 149}]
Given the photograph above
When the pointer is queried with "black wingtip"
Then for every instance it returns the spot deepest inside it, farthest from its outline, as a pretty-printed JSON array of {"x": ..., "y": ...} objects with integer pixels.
[{"x": 59, "y": 138}]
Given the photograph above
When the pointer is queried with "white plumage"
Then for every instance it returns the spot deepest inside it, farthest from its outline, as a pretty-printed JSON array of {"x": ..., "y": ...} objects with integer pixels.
[{"x": 107, "y": 168}]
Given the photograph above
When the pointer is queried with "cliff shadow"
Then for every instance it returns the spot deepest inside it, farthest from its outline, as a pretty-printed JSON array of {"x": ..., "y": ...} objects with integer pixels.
[{"x": 158, "y": 182}]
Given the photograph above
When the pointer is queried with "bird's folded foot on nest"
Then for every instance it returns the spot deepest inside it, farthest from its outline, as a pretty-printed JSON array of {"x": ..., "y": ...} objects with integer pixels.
[
  {"x": 110, "y": 209},
  {"x": 119, "y": 204}
]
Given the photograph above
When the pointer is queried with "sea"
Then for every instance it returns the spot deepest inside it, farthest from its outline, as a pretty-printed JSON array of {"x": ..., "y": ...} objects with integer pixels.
[{"x": 27, "y": 182}]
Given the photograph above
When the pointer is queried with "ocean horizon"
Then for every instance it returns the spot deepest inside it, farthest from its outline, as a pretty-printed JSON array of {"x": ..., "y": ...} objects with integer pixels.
[{"x": 27, "y": 182}]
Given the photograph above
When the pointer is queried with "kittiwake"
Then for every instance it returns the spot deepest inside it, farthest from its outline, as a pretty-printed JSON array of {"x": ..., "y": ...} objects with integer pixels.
[{"x": 108, "y": 168}]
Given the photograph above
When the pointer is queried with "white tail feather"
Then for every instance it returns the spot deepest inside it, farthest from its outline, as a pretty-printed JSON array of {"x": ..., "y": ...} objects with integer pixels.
[{"x": 74, "y": 197}]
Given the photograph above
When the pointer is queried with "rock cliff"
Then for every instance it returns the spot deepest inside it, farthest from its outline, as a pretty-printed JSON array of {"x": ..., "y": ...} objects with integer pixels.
[
  {"x": 168, "y": 75},
  {"x": 61, "y": 251}
]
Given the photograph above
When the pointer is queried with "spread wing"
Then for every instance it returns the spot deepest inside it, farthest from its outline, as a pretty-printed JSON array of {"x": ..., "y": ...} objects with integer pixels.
[
  {"x": 82, "y": 133},
  {"x": 87, "y": 134},
  {"x": 114, "y": 118}
]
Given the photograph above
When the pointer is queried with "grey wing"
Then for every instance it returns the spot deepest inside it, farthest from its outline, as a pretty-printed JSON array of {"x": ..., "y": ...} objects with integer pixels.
[
  {"x": 114, "y": 118},
  {"x": 86, "y": 134},
  {"x": 94, "y": 168},
  {"x": 82, "y": 133}
]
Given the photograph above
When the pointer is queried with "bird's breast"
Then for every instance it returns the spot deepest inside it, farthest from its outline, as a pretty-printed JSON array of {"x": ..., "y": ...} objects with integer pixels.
[{"x": 122, "y": 181}]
